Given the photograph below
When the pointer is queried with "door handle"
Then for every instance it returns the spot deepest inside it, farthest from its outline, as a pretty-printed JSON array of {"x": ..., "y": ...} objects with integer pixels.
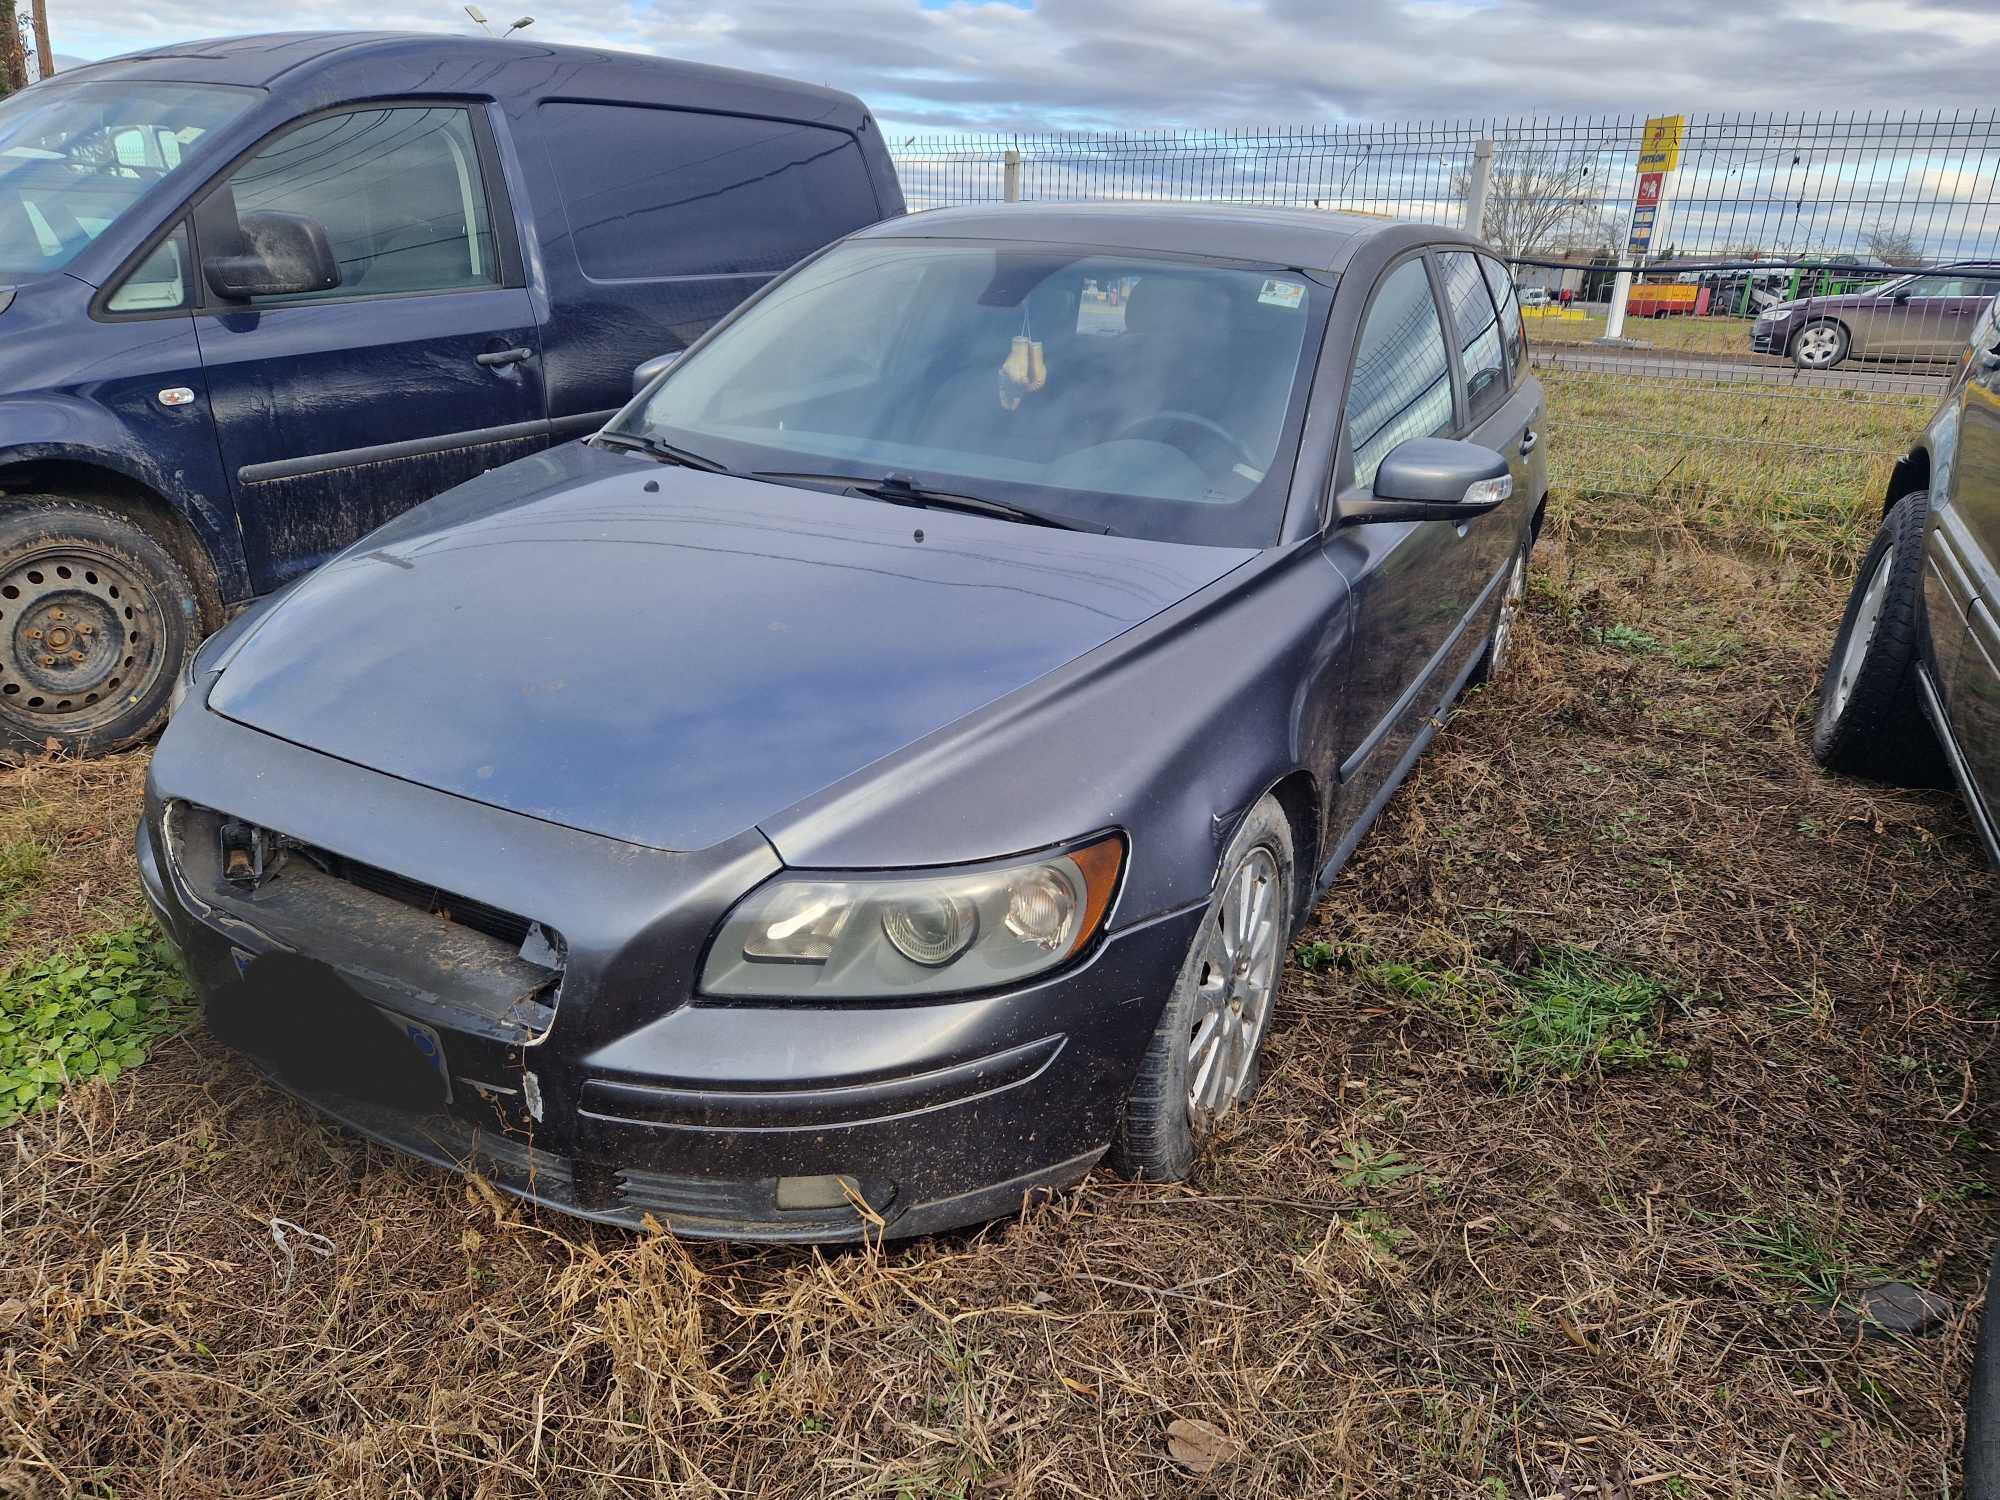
[
  {"x": 505, "y": 357},
  {"x": 1528, "y": 441}
]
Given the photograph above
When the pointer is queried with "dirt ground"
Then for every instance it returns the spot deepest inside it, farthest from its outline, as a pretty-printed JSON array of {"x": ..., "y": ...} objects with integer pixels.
[{"x": 1627, "y": 1038}]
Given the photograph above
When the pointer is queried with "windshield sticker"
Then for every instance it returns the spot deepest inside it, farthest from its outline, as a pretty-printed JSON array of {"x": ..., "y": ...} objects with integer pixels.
[{"x": 1278, "y": 293}]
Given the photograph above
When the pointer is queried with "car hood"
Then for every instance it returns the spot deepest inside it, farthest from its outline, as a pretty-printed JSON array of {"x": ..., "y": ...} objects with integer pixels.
[{"x": 669, "y": 668}]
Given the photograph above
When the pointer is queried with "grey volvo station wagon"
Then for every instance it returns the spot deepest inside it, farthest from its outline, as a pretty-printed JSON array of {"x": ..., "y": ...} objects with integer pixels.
[{"x": 1001, "y": 628}]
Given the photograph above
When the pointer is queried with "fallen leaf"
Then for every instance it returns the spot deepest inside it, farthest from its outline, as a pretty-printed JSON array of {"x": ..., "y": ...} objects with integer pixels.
[
  {"x": 1198, "y": 1446},
  {"x": 1076, "y": 1385}
]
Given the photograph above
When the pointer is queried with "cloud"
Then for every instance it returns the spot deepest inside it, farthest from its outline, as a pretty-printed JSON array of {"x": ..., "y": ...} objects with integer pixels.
[{"x": 1002, "y": 65}]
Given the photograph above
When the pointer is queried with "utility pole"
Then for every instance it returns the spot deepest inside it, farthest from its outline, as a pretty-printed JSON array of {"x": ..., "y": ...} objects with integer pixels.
[
  {"x": 45, "y": 55},
  {"x": 1479, "y": 187}
]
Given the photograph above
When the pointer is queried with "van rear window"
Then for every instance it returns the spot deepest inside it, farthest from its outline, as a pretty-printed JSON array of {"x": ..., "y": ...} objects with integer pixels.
[{"x": 666, "y": 192}]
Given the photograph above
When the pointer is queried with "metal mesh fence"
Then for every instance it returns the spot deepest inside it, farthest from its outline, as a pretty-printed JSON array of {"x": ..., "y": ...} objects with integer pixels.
[{"x": 1801, "y": 288}]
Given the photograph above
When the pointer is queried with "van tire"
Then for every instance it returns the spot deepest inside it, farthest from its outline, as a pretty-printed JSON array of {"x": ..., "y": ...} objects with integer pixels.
[{"x": 97, "y": 621}]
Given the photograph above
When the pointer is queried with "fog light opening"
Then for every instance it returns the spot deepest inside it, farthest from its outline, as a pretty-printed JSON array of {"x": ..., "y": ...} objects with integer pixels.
[{"x": 829, "y": 1190}]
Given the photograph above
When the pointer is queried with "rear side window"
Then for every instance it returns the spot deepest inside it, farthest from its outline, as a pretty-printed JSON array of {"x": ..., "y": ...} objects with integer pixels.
[
  {"x": 1402, "y": 384},
  {"x": 684, "y": 194},
  {"x": 398, "y": 190},
  {"x": 1475, "y": 332},
  {"x": 1502, "y": 286}
]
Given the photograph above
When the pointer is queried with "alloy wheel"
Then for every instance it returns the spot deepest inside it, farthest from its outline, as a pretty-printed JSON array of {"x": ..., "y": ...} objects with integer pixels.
[
  {"x": 1862, "y": 635},
  {"x": 1237, "y": 985},
  {"x": 1819, "y": 345},
  {"x": 1510, "y": 612}
]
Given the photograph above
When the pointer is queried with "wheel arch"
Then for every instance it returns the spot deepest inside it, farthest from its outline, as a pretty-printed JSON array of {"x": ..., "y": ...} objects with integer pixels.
[
  {"x": 1813, "y": 320},
  {"x": 213, "y": 566},
  {"x": 1297, "y": 795},
  {"x": 1912, "y": 473}
]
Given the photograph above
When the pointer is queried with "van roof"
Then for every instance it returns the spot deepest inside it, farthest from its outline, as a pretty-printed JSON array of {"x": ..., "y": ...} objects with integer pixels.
[{"x": 467, "y": 64}]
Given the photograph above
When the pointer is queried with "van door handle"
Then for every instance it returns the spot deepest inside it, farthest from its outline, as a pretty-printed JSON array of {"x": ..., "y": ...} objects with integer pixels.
[
  {"x": 505, "y": 357},
  {"x": 1528, "y": 441}
]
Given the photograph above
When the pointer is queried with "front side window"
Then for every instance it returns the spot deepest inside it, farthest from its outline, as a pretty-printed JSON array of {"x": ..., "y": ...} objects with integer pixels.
[
  {"x": 1476, "y": 332},
  {"x": 159, "y": 283},
  {"x": 1150, "y": 397},
  {"x": 1402, "y": 386},
  {"x": 74, "y": 157},
  {"x": 398, "y": 191}
]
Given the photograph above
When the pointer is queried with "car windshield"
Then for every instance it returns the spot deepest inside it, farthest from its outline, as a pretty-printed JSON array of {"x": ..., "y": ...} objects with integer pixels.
[
  {"x": 1140, "y": 395},
  {"x": 75, "y": 156}
]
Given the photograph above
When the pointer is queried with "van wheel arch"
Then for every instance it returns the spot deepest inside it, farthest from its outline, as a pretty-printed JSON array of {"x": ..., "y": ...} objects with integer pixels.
[{"x": 145, "y": 508}]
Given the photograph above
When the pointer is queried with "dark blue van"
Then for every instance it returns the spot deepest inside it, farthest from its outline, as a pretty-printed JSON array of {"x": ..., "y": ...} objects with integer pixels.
[{"x": 258, "y": 295}]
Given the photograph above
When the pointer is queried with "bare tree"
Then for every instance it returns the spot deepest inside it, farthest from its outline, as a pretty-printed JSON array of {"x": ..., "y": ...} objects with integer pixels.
[
  {"x": 1537, "y": 198},
  {"x": 1892, "y": 247},
  {"x": 13, "y": 61}
]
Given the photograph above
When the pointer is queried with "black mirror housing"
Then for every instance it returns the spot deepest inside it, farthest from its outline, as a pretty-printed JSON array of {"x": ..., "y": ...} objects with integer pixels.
[
  {"x": 648, "y": 371},
  {"x": 1430, "y": 479},
  {"x": 284, "y": 255}
]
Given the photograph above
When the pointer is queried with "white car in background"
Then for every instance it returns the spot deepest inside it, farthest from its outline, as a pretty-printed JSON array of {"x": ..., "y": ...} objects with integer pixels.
[{"x": 1534, "y": 296}]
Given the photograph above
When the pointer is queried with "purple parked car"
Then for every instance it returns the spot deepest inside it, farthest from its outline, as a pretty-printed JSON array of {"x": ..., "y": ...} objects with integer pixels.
[{"x": 1925, "y": 316}]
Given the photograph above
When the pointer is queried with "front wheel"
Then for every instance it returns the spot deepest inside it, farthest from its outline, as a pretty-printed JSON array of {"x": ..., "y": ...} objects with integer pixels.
[
  {"x": 96, "y": 619},
  {"x": 1870, "y": 721},
  {"x": 1202, "y": 1060},
  {"x": 1506, "y": 624},
  {"x": 1819, "y": 346}
]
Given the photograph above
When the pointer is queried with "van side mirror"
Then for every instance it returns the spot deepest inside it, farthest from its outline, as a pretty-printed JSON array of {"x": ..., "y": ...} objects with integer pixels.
[
  {"x": 1429, "y": 479},
  {"x": 651, "y": 370},
  {"x": 283, "y": 256}
]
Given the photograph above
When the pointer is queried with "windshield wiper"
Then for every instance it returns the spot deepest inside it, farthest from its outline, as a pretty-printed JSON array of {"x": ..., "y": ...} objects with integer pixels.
[
  {"x": 900, "y": 489},
  {"x": 665, "y": 452}
]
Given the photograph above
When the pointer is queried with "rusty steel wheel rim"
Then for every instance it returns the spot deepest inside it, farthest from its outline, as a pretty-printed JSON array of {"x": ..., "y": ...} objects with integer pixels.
[{"x": 81, "y": 637}]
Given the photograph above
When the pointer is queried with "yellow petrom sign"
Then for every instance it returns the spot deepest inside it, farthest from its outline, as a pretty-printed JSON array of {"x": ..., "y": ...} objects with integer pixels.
[{"x": 1660, "y": 151}]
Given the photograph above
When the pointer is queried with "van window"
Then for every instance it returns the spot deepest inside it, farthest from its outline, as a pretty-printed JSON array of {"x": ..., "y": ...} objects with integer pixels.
[
  {"x": 1476, "y": 331},
  {"x": 398, "y": 190},
  {"x": 687, "y": 194},
  {"x": 159, "y": 282},
  {"x": 1402, "y": 385}
]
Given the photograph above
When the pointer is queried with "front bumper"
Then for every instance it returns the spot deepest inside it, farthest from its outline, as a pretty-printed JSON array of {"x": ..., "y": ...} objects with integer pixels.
[
  {"x": 1771, "y": 338},
  {"x": 618, "y": 1098}
]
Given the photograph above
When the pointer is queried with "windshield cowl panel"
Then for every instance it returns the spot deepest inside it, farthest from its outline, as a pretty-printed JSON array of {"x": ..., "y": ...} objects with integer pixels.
[
  {"x": 75, "y": 158},
  {"x": 1146, "y": 395}
]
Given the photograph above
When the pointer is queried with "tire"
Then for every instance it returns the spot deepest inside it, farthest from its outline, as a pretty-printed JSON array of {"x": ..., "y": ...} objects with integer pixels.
[
  {"x": 1159, "y": 1134},
  {"x": 1820, "y": 345},
  {"x": 1982, "y": 1407},
  {"x": 1870, "y": 720},
  {"x": 96, "y": 622},
  {"x": 1506, "y": 623}
]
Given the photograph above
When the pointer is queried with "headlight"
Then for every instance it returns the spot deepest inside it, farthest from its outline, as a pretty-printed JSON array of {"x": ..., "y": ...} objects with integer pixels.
[
  {"x": 925, "y": 933},
  {"x": 1773, "y": 314}
]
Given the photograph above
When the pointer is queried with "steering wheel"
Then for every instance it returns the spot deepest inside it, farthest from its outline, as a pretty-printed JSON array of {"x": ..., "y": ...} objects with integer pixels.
[{"x": 1206, "y": 433}]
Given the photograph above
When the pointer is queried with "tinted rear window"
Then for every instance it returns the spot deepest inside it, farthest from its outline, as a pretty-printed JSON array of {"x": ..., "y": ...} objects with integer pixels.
[{"x": 665, "y": 192}]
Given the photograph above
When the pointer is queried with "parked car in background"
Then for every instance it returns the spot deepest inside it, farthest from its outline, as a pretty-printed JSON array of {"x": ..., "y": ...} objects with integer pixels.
[
  {"x": 1925, "y": 316},
  {"x": 1534, "y": 296},
  {"x": 979, "y": 682},
  {"x": 1912, "y": 688},
  {"x": 259, "y": 295}
]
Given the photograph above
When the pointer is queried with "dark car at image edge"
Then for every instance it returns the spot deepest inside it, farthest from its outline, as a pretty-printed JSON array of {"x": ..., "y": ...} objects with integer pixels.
[{"x": 971, "y": 660}]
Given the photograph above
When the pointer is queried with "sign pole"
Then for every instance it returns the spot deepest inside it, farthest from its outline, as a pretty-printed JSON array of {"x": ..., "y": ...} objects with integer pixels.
[{"x": 1659, "y": 154}]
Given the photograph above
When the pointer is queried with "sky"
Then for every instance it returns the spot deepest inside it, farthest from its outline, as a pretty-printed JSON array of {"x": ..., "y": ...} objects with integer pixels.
[{"x": 998, "y": 65}]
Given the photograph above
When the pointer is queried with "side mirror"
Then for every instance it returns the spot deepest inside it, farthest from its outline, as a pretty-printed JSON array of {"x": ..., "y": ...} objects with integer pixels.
[
  {"x": 1429, "y": 479},
  {"x": 651, "y": 370},
  {"x": 283, "y": 255},
  {"x": 1900, "y": 298}
]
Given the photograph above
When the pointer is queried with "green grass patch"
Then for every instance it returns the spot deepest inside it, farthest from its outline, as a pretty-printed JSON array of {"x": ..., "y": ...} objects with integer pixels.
[
  {"x": 23, "y": 862},
  {"x": 1577, "y": 1016},
  {"x": 1797, "y": 1257},
  {"x": 87, "y": 1012}
]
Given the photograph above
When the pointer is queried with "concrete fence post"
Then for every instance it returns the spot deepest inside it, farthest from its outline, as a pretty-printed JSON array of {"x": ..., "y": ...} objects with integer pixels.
[
  {"x": 1478, "y": 188},
  {"x": 1010, "y": 176}
]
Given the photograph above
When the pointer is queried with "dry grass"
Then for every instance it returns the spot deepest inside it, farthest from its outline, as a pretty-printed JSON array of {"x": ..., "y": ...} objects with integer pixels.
[{"x": 1415, "y": 1266}]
